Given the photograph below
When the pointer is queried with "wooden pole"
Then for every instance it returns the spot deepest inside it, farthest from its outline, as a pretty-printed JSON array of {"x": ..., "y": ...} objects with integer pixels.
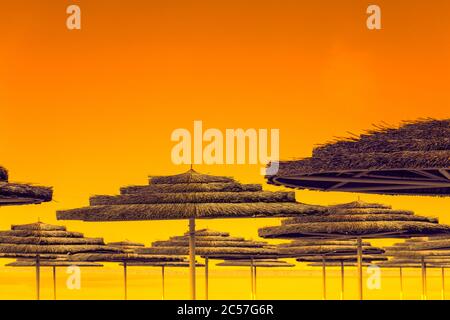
[
  {"x": 360, "y": 273},
  {"x": 206, "y": 278},
  {"x": 125, "y": 284},
  {"x": 163, "y": 282},
  {"x": 401, "y": 283},
  {"x": 443, "y": 283},
  {"x": 192, "y": 257},
  {"x": 324, "y": 279},
  {"x": 54, "y": 283},
  {"x": 254, "y": 281},
  {"x": 38, "y": 277},
  {"x": 424, "y": 280},
  {"x": 252, "y": 275},
  {"x": 342, "y": 280}
]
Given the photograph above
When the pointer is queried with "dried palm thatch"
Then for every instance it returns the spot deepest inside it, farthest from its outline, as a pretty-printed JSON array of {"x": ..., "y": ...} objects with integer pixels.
[
  {"x": 40, "y": 238},
  {"x": 202, "y": 243},
  {"x": 126, "y": 245},
  {"x": 3, "y": 174},
  {"x": 214, "y": 252},
  {"x": 221, "y": 246},
  {"x": 256, "y": 263},
  {"x": 412, "y": 159},
  {"x": 370, "y": 225},
  {"x": 326, "y": 250},
  {"x": 185, "y": 211},
  {"x": 176, "y": 264},
  {"x": 188, "y": 196},
  {"x": 210, "y": 233},
  {"x": 41, "y": 234},
  {"x": 122, "y": 257},
  {"x": 340, "y": 264},
  {"x": 191, "y": 197},
  {"x": 329, "y": 227},
  {"x": 342, "y": 258},
  {"x": 20, "y": 194},
  {"x": 52, "y": 263},
  {"x": 320, "y": 242}
]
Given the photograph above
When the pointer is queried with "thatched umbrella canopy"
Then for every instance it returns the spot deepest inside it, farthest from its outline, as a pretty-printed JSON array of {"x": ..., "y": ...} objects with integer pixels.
[
  {"x": 253, "y": 264},
  {"x": 413, "y": 159},
  {"x": 371, "y": 222},
  {"x": 212, "y": 244},
  {"x": 190, "y": 195},
  {"x": 53, "y": 263},
  {"x": 421, "y": 253},
  {"x": 20, "y": 193},
  {"x": 312, "y": 250},
  {"x": 45, "y": 241}
]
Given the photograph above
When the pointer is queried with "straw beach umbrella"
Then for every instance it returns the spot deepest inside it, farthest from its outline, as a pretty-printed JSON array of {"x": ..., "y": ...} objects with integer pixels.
[
  {"x": 401, "y": 264},
  {"x": 422, "y": 253},
  {"x": 413, "y": 159},
  {"x": 312, "y": 250},
  {"x": 357, "y": 220},
  {"x": 45, "y": 241},
  {"x": 20, "y": 193},
  {"x": 253, "y": 264},
  {"x": 190, "y": 195},
  {"x": 53, "y": 264},
  {"x": 214, "y": 245}
]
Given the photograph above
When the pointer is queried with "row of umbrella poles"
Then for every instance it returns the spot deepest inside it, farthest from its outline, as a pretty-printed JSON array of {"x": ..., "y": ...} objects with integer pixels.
[
  {"x": 236, "y": 251},
  {"x": 51, "y": 245},
  {"x": 190, "y": 196},
  {"x": 193, "y": 195},
  {"x": 385, "y": 161}
]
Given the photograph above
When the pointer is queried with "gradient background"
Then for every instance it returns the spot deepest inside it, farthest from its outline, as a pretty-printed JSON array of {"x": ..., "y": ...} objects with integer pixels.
[{"x": 90, "y": 110}]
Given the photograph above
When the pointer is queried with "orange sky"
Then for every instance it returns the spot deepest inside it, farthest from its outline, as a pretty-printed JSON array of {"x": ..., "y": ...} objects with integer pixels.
[{"x": 91, "y": 110}]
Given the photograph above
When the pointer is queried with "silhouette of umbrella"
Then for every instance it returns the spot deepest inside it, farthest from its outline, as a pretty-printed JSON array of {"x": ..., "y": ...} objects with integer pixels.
[
  {"x": 413, "y": 159},
  {"x": 190, "y": 196},
  {"x": 213, "y": 245},
  {"x": 20, "y": 193},
  {"x": 44, "y": 241},
  {"x": 421, "y": 253},
  {"x": 311, "y": 250},
  {"x": 356, "y": 220}
]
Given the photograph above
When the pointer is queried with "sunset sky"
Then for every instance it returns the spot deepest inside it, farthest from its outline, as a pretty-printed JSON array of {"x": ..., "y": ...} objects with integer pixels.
[{"x": 88, "y": 111}]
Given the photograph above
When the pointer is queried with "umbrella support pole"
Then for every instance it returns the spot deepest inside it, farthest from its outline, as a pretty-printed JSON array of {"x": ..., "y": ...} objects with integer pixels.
[
  {"x": 424, "y": 279},
  {"x": 254, "y": 282},
  {"x": 38, "y": 277},
  {"x": 342, "y": 280},
  {"x": 206, "y": 278},
  {"x": 360, "y": 273},
  {"x": 443, "y": 283},
  {"x": 192, "y": 257},
  {"x": 163, "y": 282},
  {"x": 324, "y": 279},
  {"x": 401, "y": 283},
  {"x": 54, "y": 283},
  {"x": 125, "y": 281}
]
